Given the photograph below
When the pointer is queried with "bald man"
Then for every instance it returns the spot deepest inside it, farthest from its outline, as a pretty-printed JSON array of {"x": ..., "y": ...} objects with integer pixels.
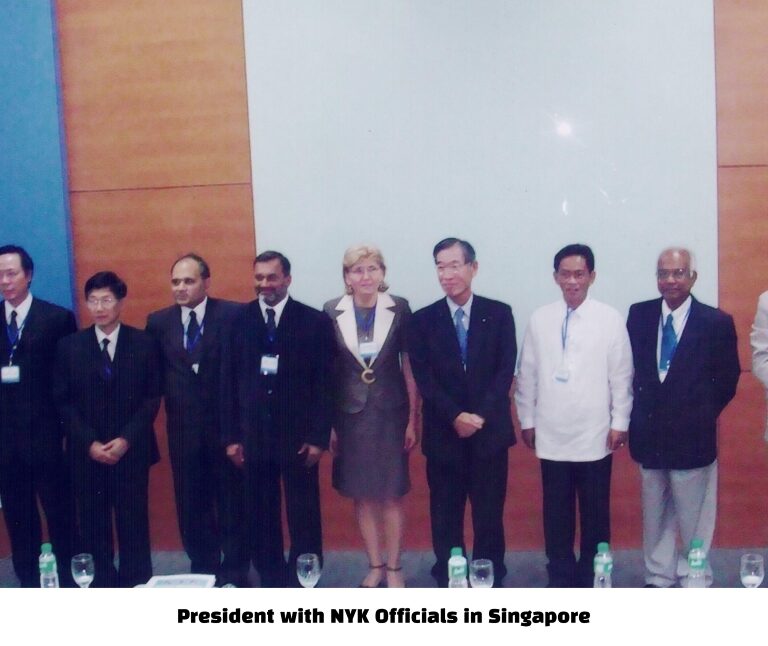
[{"x": 686, "y": 371}]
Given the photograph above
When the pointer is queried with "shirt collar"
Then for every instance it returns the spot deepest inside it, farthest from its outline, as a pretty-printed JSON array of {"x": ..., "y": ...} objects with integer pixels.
[
  {"x": 22, "y": 309},
  {"x": 680, "y": 313},
  {"x": 279, "y": 307},
  {"x": 100, "y": 336},
  {"x": 466, "y": 308},
  {"x": 199, "y": 311}
]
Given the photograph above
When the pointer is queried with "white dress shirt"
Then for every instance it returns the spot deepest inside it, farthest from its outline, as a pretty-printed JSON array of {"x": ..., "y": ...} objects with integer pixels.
[
  {"x": 100, "y": 336},
  {"x": 679, "y": 319},
  {"x": 22, "y": 310},
  {"x": 199, "y": 311},
  {"x": 466, "y": 308},
  {"x": 574, "y": 391},
  {"x": 279, "y": 307}
]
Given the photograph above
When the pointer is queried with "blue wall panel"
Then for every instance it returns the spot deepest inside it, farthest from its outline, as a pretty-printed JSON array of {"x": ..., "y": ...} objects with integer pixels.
[{"x": 33, "y": 193}]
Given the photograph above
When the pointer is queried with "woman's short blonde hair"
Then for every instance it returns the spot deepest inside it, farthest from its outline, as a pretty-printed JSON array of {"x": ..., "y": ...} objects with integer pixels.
[{"x": 358, "y": 252}]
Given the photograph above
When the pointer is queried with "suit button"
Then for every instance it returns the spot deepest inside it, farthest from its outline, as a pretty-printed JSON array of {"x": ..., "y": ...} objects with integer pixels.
[{"x": 269, "y": 392}]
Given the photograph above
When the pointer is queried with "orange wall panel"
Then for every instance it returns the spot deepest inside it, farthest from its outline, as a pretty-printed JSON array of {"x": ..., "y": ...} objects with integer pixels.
[
  {"x": 154, "y": 93},
  {"x": 743, "y": 240},
  {"x": 741, "y": 64},
  {"x": 139, "y": 233}
]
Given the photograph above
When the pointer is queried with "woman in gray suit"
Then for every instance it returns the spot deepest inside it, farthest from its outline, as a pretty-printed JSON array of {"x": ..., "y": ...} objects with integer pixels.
[{"x": 376, "y": 409}]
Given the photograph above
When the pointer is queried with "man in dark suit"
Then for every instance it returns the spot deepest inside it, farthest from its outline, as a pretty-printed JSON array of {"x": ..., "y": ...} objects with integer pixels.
[
  {"x": 108, "y": 390},
  {"x": 280, "y": 367},
  {"x": 463, "y": 353},
  {"x": 209, "y": 489},
  {"x": 32, "y": 463},
  {"x": 686, "y": 371}
]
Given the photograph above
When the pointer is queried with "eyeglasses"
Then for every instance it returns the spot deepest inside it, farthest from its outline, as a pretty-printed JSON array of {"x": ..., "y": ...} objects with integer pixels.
[
  {"x": 362, "y": 271},
  {"x": 107, "y": 301},
  {"x": 677, "y": 274},
  {"x": 578, "y": 274},
  {"x": 450, "y": 268}
]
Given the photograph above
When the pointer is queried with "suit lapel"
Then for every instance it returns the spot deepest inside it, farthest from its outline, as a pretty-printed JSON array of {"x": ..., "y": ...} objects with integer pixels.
[
  {"x": 446, "y": 333},
  {"x": 348, "y": 326},
  {"x": 475, "y": 335},
  {"x": 688, "y": 343},
  {"x": 385, "y": 315}
]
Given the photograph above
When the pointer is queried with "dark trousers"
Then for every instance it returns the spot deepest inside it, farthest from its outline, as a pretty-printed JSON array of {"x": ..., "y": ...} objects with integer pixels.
[
  {"x": 209, "y": 493},
  {"x": 102, "y": 490},
  {"x": 21, "y": 486},
  {"x": 482, "y": 481},
  {"x": 562, "y": 484},
  {"x": 302, "y": 505}
]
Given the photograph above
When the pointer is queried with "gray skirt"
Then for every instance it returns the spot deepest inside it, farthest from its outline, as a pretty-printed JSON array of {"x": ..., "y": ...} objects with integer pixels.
[{"x": 371, "y": 463}]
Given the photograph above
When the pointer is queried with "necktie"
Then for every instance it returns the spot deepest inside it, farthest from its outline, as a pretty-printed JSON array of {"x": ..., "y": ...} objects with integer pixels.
[
  {"x": 461, "y": 333},
  {"x": 13, "y": 329},
  {"x": 193, "y": 332},
  {"x": 271, "y": 327},
  {"x": 668, "y": 344},
  {"x": 106, "y": 360}
]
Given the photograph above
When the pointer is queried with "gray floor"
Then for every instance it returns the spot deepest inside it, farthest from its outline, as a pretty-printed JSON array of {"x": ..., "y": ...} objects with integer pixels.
[{"x": 526, "y": 569}]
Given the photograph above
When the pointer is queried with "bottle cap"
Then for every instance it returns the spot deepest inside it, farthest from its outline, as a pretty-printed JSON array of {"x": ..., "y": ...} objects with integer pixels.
[
  {"x": 697, "y": 543},
  {"x": 46, "y": 548},
  {"x": 456, "y": 551},
  {"x": 603, "y": 547}
]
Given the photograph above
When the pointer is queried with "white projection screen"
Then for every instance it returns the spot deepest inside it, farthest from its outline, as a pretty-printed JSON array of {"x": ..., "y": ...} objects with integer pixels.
[{"x": 520, "y": 125}]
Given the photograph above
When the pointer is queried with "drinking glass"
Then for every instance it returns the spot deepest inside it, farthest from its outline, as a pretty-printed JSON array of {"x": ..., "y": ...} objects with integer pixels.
[
  {"x": 82, "y": 569},
  {"x": 752, "y": 570},
  {"x": 481, "y": 573},
  {"x": 308, "y": 569}
]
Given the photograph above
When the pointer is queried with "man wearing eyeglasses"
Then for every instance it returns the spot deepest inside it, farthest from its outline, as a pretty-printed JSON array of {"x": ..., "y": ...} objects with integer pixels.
[
  {"x": 574, "y": 395},
  {"x": 463, "y": 354},
  {"x": 108, "y": 392},
  {"x": 686, "y": 371}
]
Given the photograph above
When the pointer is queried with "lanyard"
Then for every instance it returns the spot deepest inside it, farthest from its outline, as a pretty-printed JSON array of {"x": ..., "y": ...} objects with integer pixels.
[
  {"x": 365, "y": 322},
  {"x": 190, "y": 345},
  {"x": 564, "y": 328},
  {"x": 14, "y": 344}
]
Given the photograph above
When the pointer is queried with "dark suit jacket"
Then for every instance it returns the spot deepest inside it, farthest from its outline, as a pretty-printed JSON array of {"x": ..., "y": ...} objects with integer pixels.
[
  {"x": 298, "y": 398},
  {"x": 30, "y": 430},
  {"x": 95, "y": 408},
  {"x": 447, "y": 389},
  {"x": 674, "y": 424},
  {"x": 192, "y": 400},
  {"x": 388, "y": 392}
]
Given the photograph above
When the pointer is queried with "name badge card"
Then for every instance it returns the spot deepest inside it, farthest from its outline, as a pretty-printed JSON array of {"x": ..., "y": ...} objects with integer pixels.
[
  {"x": 269, "y": 364},
  {"x": 368, "y": 349},
  {"x": 10, "y": 374},
  {"x": 195, "y": 367},
  {"x": 562, "y": 374}
]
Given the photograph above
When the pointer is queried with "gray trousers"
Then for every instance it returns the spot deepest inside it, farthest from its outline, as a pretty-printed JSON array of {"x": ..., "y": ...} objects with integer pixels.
[{"x": 676, "y": 501}]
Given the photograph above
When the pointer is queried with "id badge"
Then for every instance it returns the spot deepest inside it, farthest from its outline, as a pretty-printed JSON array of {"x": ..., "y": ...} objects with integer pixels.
[
  {"x": 195, "y": 367},
  {"x": 10, "y": 374},
  {"x": 269, "y": 364},
  {"x": 368, "y": 349}
]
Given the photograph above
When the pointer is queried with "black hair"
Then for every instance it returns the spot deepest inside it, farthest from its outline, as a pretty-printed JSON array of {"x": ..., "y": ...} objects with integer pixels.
[
  {"x": 576, "y": 250},
  {"x": 106, "y": 280},
  {"x": 446, "y": 243},
  {"x": 268, "y": 256}
]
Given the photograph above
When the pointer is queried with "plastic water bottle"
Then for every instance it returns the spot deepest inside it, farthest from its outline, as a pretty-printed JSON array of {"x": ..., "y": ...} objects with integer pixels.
[
  {"x": 457, "y": 569},
  {"x": 697, "y": 565},
  {"x": 603, "y": 566},
  {"x": 49, "y": 577}
]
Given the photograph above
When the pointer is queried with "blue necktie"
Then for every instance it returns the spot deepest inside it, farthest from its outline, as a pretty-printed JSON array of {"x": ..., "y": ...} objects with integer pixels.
[
  {"x": 13, "y": 329},
  {"x": 668, "y": 344},
  {"x": 193, "y": 332},
  {"x": 461, "y": 333},
  {"x": 106, "y": 360}
]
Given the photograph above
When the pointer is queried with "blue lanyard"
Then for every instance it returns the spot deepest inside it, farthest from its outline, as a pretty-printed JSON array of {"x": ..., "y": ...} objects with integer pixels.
[
  {"x": 190, "y": 345},
  {"x": 564, "y": 328},
  {"x": 365, "y": 321},
  {"x": 12, "y": 343}
]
